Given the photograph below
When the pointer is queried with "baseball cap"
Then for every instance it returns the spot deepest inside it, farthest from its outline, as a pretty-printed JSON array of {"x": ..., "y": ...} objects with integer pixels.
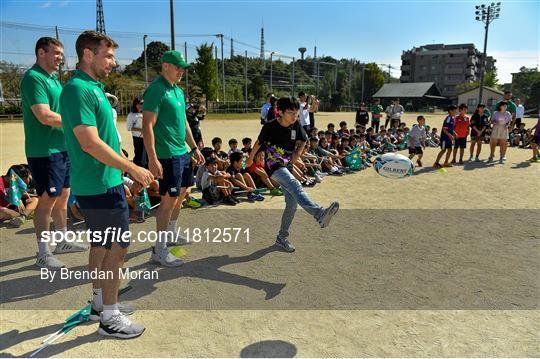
[{"x": 174, "y": 57}]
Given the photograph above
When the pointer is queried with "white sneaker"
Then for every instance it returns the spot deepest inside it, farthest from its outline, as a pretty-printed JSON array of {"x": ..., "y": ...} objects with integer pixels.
[
  {"x": 490, "y": 159},
  {"x": 49, "y": 261},
  {"x": 69, "y": 247},
  {"x": 317, "y": 178},
  {"x": 328, "y": 214},
  {"x": 165, "y": 258},
  {"x": 503, "y": 159},
  {"x": 176, "y": 238},
  {"x": 120, "y": 326}
]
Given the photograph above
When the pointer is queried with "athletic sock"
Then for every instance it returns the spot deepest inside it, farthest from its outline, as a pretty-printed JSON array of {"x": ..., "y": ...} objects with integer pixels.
[
  {"x": 109, "y": 311},
  {"x": 161, "y": 243},
  {"x": 172, "y": 225},
  {"x": 43, "y": 248},
  {"x": 63, "y": 238},
  {"x": 97, "y": 298}
]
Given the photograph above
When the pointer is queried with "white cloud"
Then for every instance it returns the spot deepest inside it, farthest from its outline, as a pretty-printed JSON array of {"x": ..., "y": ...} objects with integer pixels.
[
  {"x": 46, "y": 5},
  {"x": 64, "y": 3}
]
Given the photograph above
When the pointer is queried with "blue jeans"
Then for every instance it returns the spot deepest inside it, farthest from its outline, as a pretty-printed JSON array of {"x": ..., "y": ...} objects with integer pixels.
[{"x": 294, "y": 196}]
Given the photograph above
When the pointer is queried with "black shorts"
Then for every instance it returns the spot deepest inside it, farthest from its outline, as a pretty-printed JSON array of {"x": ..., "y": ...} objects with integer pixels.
[
  {"x": 50, "y": 174},
  {"x": 107, "y": 210},
  {"x": 536, "y": 139},
  {"x": 212, "y": 194},
  {"x": 477, "y": 138},
  {"x": 173, "y": 174},
  {"x": 445, "y": 143},
  {"x": 460, "y": 142},
  {"x": 416, "y": 151}
]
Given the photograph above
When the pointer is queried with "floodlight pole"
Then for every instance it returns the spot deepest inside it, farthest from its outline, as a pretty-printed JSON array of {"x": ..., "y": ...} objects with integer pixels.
[{"x": 486, "y": 14}]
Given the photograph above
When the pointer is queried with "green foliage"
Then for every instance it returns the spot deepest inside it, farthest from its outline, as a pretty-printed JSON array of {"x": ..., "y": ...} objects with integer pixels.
[
  {"x": 525, "y": 86},
  {"x": 154, "y": 51},
  {"x": 205, "y": 68}
]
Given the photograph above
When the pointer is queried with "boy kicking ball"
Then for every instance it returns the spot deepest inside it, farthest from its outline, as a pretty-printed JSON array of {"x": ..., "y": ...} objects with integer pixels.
[
  {"x": 284, "y": 140},
  {"x": 447, "y": 137}
]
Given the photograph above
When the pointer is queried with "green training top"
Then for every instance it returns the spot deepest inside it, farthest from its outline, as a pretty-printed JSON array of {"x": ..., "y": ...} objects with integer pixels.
[
  {"x": 376, "y": 110},
  {"x": 38, "y": 87},
  {"x": 170, "y": 128},
  {"x": 83, "y": 102}
]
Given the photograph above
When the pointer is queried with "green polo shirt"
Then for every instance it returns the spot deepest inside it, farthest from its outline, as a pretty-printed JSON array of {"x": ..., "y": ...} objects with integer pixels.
[
  {"x": 38, "y": 87},
  {"x": 511, "y": 106},
  {"x": 376, "y": 110},
  {"x": 170, "y": 128},
  {"x": 83, "y": 102}
]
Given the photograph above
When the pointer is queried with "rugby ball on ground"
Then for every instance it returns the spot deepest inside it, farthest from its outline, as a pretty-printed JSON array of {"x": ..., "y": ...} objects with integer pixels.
[{"x": 393, "y": 165}]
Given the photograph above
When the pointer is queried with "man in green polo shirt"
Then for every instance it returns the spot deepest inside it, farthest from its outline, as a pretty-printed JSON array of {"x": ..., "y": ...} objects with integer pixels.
[
  {"x": 511, "y": 107},
  {"x": 165, "y": 133},
  {"x": 96, "y": 178},
  {"x": 46, "y": 149},
  {"x": 376, "y": 114}
]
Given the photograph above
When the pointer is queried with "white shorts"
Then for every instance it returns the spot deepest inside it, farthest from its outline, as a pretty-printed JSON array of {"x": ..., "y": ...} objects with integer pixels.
[{"x": 499, "y": 133}]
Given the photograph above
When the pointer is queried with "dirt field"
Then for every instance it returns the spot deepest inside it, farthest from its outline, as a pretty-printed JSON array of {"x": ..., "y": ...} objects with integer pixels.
[{"x": 439, "y": 264}]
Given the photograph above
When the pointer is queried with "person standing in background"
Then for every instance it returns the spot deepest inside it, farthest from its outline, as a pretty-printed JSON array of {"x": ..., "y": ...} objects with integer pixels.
[
  {"x": 134, "y": 125},
  {"x": 520, "y": 112}
]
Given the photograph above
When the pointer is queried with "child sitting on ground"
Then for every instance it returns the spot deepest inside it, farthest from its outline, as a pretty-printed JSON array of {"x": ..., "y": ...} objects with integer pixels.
[
  {"x": 233, "y": 146},
  {"x": 241, "y": 178},
  {"x": 16, "y": 214},
  {"x": 343, "y": 130},
  {"x": 221, "y": 157},
  {"x": 260, "y": 176},
  {"x": 215, "y": 185},
  {"x": 246, "y": 142}
]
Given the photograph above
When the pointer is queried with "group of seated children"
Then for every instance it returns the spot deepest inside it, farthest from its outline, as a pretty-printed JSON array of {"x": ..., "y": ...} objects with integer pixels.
[{"x": 17, "y": 213}]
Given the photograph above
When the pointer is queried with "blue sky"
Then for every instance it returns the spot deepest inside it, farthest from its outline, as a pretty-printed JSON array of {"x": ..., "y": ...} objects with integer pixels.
[{"x": 367, "y": 30}]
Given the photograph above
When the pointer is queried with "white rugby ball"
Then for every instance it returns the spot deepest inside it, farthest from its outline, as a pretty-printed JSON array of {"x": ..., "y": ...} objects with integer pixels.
[{"x": 393, "y": 165}]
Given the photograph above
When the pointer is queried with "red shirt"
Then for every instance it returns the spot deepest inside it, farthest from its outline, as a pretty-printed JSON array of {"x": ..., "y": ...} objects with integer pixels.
[
  {"x": 254, "y": 166},
  {"x": 461, "y": 126},
  {"x": 3, "y": 194}
]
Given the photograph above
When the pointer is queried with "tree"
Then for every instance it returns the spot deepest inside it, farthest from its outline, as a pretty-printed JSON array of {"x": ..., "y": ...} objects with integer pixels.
[
  {"x": 154, "y": 51},
  {"x": 205, "y": 67},
  {"x": 490, "y": 79},
  {"x": 522, "y": 85},
  {"x": 258, "y": 88}
]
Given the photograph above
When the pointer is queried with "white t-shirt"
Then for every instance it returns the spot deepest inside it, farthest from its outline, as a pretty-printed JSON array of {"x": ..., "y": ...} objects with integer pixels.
[
  {"x": 304, "y": 114},
  {"x": 134, "y": 120},
  {"x": 520, "y": 111},
  {"x": 115, "y": 116}
]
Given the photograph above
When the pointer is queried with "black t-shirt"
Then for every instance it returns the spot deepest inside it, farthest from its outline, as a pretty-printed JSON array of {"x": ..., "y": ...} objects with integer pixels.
[
  {"x": 232, "y": 171},
  {"x": 279, "y": 143},
  {"x": 362, "y": 117},
  {"x": 480, "y": 122},
  {"x": 222, "y": 154}
]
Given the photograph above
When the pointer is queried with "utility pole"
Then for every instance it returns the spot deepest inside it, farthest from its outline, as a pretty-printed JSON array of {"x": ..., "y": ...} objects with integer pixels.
[
  {"x": 187, "y": 70},
  {"x": 59, "y": 67},
  {"x": 145, "y": 61},
  {"x": 293, "y": 79},
  {"x": 245, "y": 79},
  {"x": 350, "y": 83},
  {"x": 271, "y": 70},
  {"x": 222, "y": 69},
  {"x": 217, "y": 74},
  {"x": 171, "y": 3}
]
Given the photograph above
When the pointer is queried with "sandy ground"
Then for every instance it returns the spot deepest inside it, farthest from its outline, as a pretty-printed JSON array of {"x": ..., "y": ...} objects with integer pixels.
[{"x": 439, "y": 264}]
